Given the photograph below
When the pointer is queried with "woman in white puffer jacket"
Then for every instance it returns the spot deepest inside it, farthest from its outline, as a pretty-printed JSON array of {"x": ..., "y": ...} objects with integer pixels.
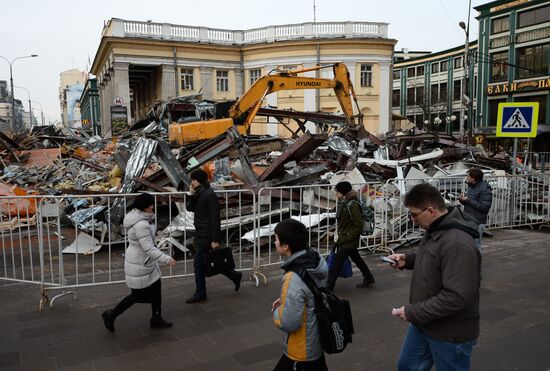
[{"x": 141, "y": 264}]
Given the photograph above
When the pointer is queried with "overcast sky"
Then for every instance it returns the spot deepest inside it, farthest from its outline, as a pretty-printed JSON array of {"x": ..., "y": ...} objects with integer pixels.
[{"x": 64, "y": 33}]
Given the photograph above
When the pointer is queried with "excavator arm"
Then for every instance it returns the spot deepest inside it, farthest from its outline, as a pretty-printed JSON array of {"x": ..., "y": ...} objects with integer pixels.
[{"x": 288, "y": 80}]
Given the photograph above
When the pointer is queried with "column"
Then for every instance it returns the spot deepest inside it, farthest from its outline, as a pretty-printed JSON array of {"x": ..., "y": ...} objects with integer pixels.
[
  {"x": 310, "y": 104},
  {"x": 206, "y": 79},
  {"x": 385, "y": 98},
  {"x": 271, "y": 100},
  {"x": 121, "y": 85},
  {"x": 168, "y": 82}
]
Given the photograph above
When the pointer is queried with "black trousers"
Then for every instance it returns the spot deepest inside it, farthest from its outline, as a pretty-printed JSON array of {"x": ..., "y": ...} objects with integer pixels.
[
  {"x": 150, "y": 294},
  {"x": 341, "y": 255},
  {"x": 199, "y": 260},
  {"x": 287, "y": 364}
]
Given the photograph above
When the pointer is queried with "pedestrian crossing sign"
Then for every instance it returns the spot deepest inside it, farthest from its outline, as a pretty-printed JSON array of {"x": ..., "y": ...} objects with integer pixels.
[{"x": 517, "y": 119}]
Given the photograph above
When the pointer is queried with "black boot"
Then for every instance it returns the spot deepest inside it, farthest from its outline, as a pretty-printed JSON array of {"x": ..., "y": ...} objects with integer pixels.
[
  {"x": 109, "y": 320},
  {"x": 367, "y": 281},
  {"x": 195, "y": 299},
  {"x": 237, "y": 281},
  {"x": 158, "y": 322}
]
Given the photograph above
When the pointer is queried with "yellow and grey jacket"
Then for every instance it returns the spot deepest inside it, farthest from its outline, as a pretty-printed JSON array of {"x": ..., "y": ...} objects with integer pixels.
[{"x": 296, "y": 314}]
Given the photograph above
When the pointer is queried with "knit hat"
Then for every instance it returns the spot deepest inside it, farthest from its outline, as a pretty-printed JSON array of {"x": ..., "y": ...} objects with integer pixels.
[
  {"x": 343, "y": 187},
  {"x": 143, "y": 201},
  {"x": 200, "y": 176}
]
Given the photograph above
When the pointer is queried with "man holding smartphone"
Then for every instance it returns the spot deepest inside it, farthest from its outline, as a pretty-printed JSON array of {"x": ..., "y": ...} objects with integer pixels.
[{"x": 443, "y": 309}]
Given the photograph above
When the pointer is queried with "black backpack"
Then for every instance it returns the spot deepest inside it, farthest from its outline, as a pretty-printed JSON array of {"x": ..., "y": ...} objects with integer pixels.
[{"x": 333, "y": 315}]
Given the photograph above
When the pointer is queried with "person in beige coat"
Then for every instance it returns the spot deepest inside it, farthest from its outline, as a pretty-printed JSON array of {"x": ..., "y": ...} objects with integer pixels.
[{"x": 141, "y": 264}]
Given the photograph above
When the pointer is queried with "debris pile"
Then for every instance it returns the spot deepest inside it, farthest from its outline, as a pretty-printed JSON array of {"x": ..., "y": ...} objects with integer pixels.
[{"x": 51, "y": 161}]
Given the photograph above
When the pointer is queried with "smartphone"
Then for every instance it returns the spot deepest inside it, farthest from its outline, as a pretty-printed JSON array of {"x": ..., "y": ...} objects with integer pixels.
[{"x": 385, "y": 259}]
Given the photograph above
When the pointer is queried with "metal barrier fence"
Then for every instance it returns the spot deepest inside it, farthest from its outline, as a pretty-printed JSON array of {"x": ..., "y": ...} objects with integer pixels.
[
  {"x": 63, "y": 242},
  {"x": 536, "y": 160}
]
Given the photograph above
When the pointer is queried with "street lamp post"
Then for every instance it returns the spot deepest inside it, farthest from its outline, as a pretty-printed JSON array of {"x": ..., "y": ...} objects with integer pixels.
[
  {"x": 466, "y": 64},
  {"x": 41, "y": 111},
  {"x": 13, "y": 122},
  {"x": 30, "y": 106}
]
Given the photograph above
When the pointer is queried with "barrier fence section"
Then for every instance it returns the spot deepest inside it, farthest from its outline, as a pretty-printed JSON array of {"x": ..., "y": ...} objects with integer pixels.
[
  {"x": 62, "y": 242},
  {"x": 315, "y": 207},
  {"x": 536, "y": 160}
]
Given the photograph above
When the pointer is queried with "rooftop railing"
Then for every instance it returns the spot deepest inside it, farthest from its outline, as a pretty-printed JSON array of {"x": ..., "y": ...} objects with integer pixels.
[{"x": 166, "y": 31}]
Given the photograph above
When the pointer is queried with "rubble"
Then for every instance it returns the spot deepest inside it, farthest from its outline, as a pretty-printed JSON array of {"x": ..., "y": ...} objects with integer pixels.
[{"x": 50, "y": 161}]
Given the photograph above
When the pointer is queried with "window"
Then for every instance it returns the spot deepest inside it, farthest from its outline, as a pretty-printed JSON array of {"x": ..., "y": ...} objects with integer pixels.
[
  {"x": 187, "y": 79},
  {"x": 435, "y": 67},
  {"x": 443, "y": 92},
  {"x": 222, "y": 80},
  {"x": 499, "y": 66},
  {"x": 541, "y": 99},
  {"x": 434, "y": 90},
  {"x": 493, "y": 111},
  {"x": 396, "y": 74},
  {"x": 419, "y": 95},
  {"x": 458, "y": 62},
  {"x": 532, "y": 61},
  {"x": 255, "y": 75},
  {"x": 366, "y": 75},
  {"x": 499, "y": 25},
  {"x": 419, "y": 70},
  {"x": 396, "y": 98},
  {"x": 410, "y": 97},
  {"x": 444, "y": 66},
  {"x": 411, "y": 72},
  {"x": 456, "y": 89},
  {"x": 534, "y": 16}
]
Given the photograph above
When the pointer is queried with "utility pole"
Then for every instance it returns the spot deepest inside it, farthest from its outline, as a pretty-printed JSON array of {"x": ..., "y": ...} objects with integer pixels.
[
  {"x": 465, "y": 96},
  {"x": 13, "y": 121}
]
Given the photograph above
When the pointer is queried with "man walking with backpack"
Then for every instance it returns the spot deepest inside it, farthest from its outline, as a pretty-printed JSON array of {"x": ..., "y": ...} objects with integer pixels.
[
  {"x": 294, "y": 311},
  {"x": 350, "y": 225}
]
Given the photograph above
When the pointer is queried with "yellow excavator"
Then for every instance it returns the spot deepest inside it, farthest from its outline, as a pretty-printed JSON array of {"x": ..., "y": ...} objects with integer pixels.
[{"x": 242, "y": 113}]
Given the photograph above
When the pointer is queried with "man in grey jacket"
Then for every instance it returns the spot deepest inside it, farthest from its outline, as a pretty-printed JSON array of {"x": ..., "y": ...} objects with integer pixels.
[
  {"x": 478, "y": 199},
  {"x": 443, "y": 309}
]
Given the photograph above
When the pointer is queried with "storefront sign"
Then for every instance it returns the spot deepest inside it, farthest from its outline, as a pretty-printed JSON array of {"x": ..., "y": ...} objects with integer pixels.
[
  {"x": 513, "y": 87},
  {"x": 509, "y": 5}
]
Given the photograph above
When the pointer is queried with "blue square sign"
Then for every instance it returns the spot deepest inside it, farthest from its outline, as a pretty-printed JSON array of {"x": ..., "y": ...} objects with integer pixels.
[{"x": 517, "y": 119}]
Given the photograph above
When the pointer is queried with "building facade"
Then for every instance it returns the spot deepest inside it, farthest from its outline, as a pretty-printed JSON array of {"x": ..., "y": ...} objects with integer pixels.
[
  {"x": 89, "y": 107},
  {"x": 71, "y": 84},
  {"x": 429, "y": 90},
  {"x": 513, "y": 60},
  {"x": 141, "y": 63}
]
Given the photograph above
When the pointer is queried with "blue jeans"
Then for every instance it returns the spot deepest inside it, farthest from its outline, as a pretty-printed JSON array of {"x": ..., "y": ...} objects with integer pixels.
[
  {"x": 420, "y": 352},
  {"x": 480, "y": 230}
]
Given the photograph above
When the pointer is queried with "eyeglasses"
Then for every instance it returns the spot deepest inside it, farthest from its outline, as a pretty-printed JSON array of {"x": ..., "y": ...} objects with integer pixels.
[{"x": 416, "y": 215}]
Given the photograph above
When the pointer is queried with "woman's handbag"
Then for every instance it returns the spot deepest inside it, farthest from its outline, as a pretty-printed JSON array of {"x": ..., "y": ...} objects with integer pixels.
[
  {"x": 345, "y": 270},
  {"x": 219, "y": 260}
]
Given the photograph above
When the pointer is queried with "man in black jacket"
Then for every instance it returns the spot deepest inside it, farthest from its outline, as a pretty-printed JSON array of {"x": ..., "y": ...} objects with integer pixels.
[
  {"x": 203, "y": 202},
  {"x": 478, "y": 200},
  {"x": 443, "y": 309}
]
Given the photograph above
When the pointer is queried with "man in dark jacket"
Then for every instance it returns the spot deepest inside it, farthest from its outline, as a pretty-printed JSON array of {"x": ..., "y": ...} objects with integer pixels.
[
  {"x": 443, "y": 309},
  {"x": 350, "y": 226},
  {"x": 203, "y": 202},
  {"x": 478, "y": 200}
]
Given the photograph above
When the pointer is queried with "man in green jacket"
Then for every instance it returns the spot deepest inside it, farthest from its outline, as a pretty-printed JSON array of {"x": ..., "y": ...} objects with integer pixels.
[
  {"x": 443, "y": 309},
  {"x": 350, "y": 226}
]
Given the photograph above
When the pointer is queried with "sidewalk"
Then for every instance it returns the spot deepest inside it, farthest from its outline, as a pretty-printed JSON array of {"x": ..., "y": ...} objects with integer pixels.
[{"x": 234, "y": 331}]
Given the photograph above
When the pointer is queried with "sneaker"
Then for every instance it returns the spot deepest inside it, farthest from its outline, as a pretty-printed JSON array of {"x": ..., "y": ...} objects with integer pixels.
[
  {"x": 366, "y": 282},
  {"x": 108, "y": 320},
  {"x": 159, "y": 322},
  {"x": 238, "y": 281},
  {"x": 195, "y": 299}
]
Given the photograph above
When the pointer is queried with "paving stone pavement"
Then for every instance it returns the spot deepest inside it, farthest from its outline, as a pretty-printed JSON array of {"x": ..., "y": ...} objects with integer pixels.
[{"x": 233, "y": 331}]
